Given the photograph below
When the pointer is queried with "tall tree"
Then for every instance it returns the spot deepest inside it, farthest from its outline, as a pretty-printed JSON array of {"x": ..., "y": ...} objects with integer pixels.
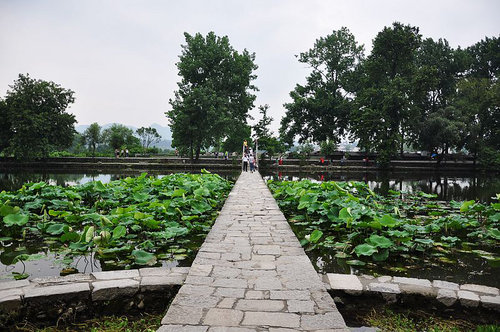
[
  {"x": 438, "y": 69},
  {"x": 478, "y": 98},
  {"x": 386, "y": 110},
  {"x": 34, "y": 118},
  {"x": 148, "y": 136},
  {"x": 320, "y": 109},
  {"x": 118, "y": 136},
  {"x": 214, "y": 95},
  {"x": 93, "y": 137},
  {"x": 264, "y": 135},
  {"x": 233, "y": 141}
]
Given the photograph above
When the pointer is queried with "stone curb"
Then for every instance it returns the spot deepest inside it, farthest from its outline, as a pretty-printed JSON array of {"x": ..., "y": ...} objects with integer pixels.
[
  {"x": 111, "y": 284},
  {"x": 98, "y": 286},
  {"x": 392, "y": 288}
]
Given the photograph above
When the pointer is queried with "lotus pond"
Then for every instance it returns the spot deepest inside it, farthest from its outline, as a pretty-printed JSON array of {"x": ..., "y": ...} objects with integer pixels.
[
  {"x": 126, "y": 223},
  {"x": 345, "y": 227}
]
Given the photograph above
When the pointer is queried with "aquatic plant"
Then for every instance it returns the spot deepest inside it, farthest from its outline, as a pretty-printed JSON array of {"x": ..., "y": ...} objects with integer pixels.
[
  {"x": 124, "y": 223},
  {"x": 362, "y": 227}
]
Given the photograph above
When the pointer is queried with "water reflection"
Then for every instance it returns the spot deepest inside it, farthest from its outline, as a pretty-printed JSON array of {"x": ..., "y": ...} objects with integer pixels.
[
  {"x": 15, "y": 180},
  {"x": 447, "y": 186}
]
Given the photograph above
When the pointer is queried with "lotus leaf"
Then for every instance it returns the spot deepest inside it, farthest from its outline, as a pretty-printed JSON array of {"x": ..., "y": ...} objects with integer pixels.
[
  {"x": 365, "y": 249},
  {"x": 315, "y": 236},
  {"x": 143, "y": 258},
  {"x": 380, "y": 241},
  {"x": 15, "y": 220}
]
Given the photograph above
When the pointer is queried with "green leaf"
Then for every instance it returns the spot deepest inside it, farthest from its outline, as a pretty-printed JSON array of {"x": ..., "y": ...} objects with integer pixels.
[
  {"x": 7, "y": 209},
  {"x": 178, "y": 193},
  {"x": 56, "y": 229},
  {"x": 365, "y": 249},
  {"x": 119, "y": 231},
  {"x": 106, "y": 221},
  {"x": 388, "y": 221},
  {"x": 345, "y": 214},
  {"x": 70, "y": 237},
  {"x": 143, "y": 258},
  {"x": 466, "y": 205},
  {"x": 315, "y": 236},
  {"x": 380, "y": 241},
  {"x": 381, "y": 256},
  {"x": 202, "y": 192},
  {"x": 494, "y": 233},
  {"x": 15, "y": 219},
  {"x": 355, "y": 262},
  {"x": 140, "y": 197},
  {"x": 90, "y": 234}
]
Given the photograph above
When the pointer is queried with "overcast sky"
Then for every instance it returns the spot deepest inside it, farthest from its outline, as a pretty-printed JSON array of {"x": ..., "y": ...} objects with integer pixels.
[{"x": 119, "y": 56}]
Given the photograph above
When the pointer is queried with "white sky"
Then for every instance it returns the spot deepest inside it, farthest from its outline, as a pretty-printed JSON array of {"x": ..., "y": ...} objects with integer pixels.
[{"x": 119, "y": 56}]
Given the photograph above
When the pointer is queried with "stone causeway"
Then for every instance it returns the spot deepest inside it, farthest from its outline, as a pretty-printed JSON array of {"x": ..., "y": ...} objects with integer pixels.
[{"x": 251, "y": 274}]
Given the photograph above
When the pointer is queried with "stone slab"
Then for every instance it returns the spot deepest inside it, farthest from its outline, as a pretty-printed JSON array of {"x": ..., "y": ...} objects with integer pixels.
[
  {"x": 480, "y": 289},
  {"x": 412, "y": 281},
  {"x": 13, "y": 284},
  {"x": 111, "y": 289},
  {"x": 468, "y": 299},
  {"x": 112, "y": 275},
  {"x": 344, "y": 282},
  {"x": 69, "y": 290},
  {"x": 276, "y": 319},
  {"x": 223, "y": 317},
  {"x": 384, "y": 288},
  {"x": 446, "y": 296},
  {"x": 490, "y": 302}
]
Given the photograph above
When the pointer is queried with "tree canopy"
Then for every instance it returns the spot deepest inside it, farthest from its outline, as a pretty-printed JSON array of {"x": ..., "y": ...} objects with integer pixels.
[
  {"x": 93, "y": 137},
  {"x": 119, "y": 137},
  {"x": 34, "y": 118},
  {"x": 148, "y": 136},
  {"x": 214, "y": 94},
  {"x": 408, "y": 92},
  {"x": 319, "y": 109}
]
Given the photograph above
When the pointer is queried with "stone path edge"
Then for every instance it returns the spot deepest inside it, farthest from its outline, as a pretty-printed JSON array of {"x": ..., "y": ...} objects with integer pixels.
[
  {"x": 96, "y": 286},
  {"x": 109, "y": 284}
]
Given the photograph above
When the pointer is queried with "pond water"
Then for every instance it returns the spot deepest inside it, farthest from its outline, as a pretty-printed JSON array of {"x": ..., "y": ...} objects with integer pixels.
[
  {"x": 448, "y": 186},
  {"x": 45, "y": 260},
  {"x": 461, "y": 268}
]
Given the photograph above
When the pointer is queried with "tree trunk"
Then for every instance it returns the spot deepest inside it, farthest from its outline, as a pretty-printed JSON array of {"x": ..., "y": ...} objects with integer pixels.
[
  {"x": 198, "y": 149},
  {"x": 191, "y": 150},
  {"x": 401, "y": 147}
]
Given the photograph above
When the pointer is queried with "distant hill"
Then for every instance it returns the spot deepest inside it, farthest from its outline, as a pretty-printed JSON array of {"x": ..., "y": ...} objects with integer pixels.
[{"x": 166, "y": 134}]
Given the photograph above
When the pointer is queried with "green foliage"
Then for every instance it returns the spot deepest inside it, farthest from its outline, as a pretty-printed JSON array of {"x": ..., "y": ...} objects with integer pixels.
[
  {"x": 407, "y": 320},
  {"x": 148, "y": 136},
  {"x": 354, "y": 222},
  {"x": 267, "y": 142},
  {"x": 214, "y": 95},
  {"x": 128, "y": 222},
  {"x": 408, "y": 92},
  {"x": 118, "y": 136},
  {"x": 385, "y": 111},
  {"x": 93, "y": 137},
  {"x": 328, "y": 147},
  {"x": 144, "y": 322},
  {"x": 33, "y": 118},
  {"x": 319, "y": 109},
  {"x": 235, "y": 137}
]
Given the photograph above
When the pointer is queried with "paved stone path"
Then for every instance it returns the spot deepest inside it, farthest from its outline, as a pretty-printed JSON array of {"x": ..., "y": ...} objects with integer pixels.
[{"x": 251, "y": 274}]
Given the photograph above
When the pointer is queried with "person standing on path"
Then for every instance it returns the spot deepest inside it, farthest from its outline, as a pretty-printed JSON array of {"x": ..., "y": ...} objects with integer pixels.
[
  {"x": 251, "y": 159},
  {"x": 245, "y": 163}
]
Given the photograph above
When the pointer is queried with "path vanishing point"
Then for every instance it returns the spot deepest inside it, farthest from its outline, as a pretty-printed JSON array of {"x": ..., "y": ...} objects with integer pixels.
[{"x": 251, "y": 274}]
